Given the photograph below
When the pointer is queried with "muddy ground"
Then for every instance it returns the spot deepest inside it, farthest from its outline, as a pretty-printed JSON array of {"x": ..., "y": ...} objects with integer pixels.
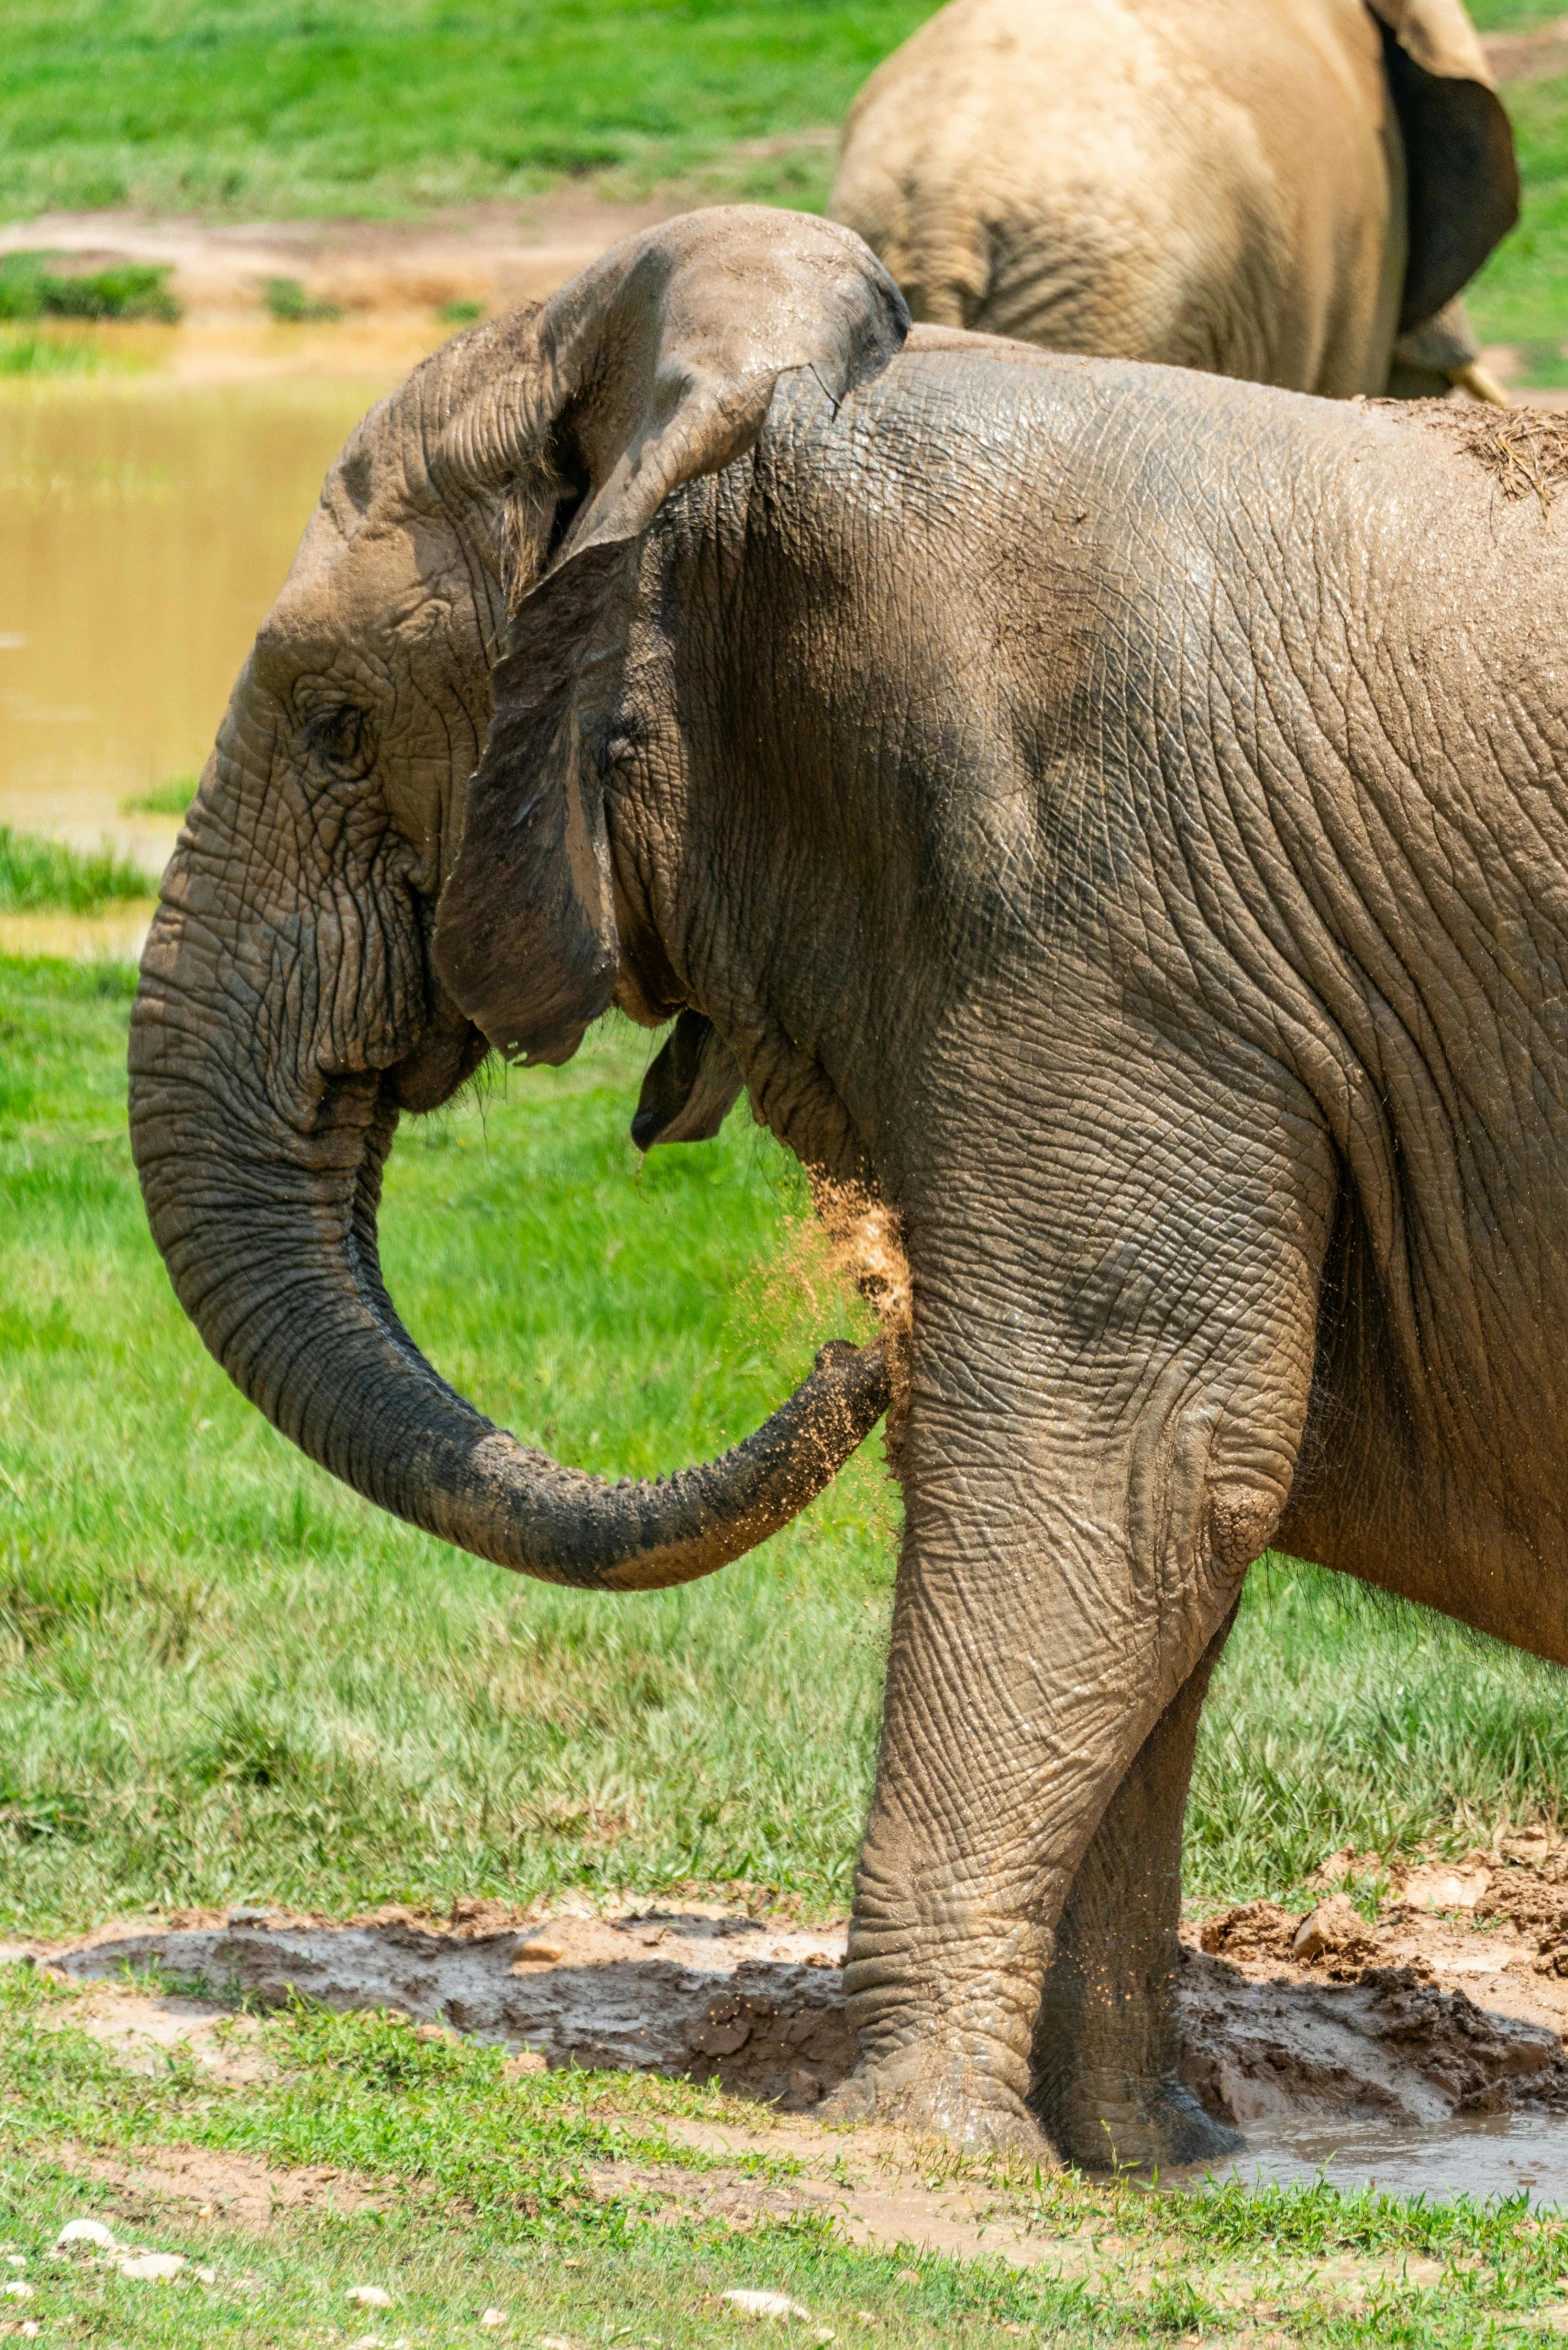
[{"x": 1453, "y": 2004}]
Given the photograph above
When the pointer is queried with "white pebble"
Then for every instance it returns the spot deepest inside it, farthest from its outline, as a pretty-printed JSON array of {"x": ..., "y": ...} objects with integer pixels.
[
  {"x": 16, "y": 2260},
  {"x": 369, "y": 2296},
  {"x": 492, "y": 2317},
  {"x": 85, "y": 2231},
  {"x": 31, "y": 2330},
  {"x": 762, "y": 2301},
  {"x": 16, "y": 2290},
  {"x": 152, "y": 2268}
]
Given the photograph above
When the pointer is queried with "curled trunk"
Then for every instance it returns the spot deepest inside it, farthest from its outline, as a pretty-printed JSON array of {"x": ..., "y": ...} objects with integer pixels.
[{"x": 266, "y": 1216}]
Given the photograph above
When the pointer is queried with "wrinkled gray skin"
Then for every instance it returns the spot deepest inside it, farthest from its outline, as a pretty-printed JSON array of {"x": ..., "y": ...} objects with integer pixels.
[
  {"x": 1072, "y": 794},
  {"x": 1273, "y": 189}
]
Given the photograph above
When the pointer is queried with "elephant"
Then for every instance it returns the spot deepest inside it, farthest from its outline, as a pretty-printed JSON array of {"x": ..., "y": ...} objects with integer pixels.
[
  {"x": 1069, "y": 797},
  {"x": 1293, "y": 191}
]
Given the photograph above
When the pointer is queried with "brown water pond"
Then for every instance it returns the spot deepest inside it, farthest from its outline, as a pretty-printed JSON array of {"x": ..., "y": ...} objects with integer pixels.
[{"x": 146, "y": 527}]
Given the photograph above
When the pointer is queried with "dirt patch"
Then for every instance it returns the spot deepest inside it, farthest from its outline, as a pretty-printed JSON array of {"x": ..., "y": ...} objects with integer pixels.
[
  {"x": 878, "y": 2189},
  {"x": 144, "y": 2030},
  {"x": 394, "y": 285},
  {"x": 1529, "y": 57},
  {"x": 241, "y": 2189}
]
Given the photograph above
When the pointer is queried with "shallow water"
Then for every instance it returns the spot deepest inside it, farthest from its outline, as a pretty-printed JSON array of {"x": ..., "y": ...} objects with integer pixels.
[
  {"x": 146, "y": 527},
  {"x": 1494, "y": 2154}
]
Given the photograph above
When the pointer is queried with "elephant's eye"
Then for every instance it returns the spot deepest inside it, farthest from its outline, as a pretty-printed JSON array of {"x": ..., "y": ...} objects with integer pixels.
[{"x": 339, "y": 736}]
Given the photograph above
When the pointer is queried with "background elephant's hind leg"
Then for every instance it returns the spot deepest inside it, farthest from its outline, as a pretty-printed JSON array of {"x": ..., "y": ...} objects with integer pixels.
[{"x": 1106, "y": 2051}]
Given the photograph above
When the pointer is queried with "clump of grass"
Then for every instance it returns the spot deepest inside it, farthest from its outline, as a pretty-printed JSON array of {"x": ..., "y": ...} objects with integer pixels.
[
  {"x": 42, "y": 355},
  {"x": 31, "y": 288},
  {"x": 39, "y": 876},
  {"x": 1339, "y": 1716},
  {"x": 286, "y": 300},
  {"x": 460, "y": 313},
  {"x": 165, "y": 799}
]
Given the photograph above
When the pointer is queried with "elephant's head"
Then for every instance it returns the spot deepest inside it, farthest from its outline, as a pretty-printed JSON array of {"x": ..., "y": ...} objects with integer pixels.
[{"x": 289, "y": 1008}]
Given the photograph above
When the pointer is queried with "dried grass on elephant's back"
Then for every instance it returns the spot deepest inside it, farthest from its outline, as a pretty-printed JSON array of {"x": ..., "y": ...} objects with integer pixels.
[{"x": 1525, "y": 450}]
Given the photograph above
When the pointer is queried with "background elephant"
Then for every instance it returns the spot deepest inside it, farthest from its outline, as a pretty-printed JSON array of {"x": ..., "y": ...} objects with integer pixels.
[
  {"x": 1069, "y": 791},
  {"x": 1274, "y": 189}
]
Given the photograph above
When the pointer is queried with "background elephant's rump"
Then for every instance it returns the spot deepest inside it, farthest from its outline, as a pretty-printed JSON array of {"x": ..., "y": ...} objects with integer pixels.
[{"x": 1207, "y": 183}]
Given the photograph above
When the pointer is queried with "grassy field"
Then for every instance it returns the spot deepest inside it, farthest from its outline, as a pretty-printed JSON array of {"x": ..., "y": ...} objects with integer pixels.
[
  {"x": 223, "y": 1678},
  {"x": 339, "y": 109},
  {"x": 526, "y": 2201}
]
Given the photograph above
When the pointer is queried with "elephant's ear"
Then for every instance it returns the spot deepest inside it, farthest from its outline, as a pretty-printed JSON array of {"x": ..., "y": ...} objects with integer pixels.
[
  {"x": 691, "y": 1086},
  {"x": 655, "y": 366},
  {"x": 1462, "y": 175}
]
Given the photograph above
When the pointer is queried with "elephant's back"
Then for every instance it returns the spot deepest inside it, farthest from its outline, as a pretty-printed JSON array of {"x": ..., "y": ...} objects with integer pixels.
[
  {"x": 1149, "y": 179},
  {"x": 1189, "y": 523}
]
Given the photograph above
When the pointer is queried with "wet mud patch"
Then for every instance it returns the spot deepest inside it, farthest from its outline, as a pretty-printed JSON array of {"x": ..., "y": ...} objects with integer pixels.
[
  {"x": 757, "y": 2007},
  {"x": 1391, "y": 2043},
  {"x": 1420, "y": 2021}
]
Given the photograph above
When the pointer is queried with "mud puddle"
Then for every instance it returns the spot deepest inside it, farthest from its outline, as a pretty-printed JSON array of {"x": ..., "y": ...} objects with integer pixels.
[
  {"x": 755, "y": 2005},
  {"x": 1424, "y": 2053},
  {"x": 1506, "y": 2154}
]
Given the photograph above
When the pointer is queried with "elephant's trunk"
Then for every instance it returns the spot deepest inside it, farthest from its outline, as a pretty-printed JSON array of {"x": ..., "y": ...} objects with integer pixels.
[{"x": 266, "y": 1217}]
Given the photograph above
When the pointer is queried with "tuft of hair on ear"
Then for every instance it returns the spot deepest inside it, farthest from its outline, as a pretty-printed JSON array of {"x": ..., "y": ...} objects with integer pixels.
[
  {"x": 537, "y": 510},
  {"x": 528, "y": 509}
]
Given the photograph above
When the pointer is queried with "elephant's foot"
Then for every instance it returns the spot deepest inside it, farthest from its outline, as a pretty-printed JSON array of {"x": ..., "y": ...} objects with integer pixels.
[
  {"x": 1142, "y": 2125},
  {"x": 940, "y": 2097}
]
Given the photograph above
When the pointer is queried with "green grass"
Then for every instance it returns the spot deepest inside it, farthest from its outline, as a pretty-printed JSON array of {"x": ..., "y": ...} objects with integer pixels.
[
  {"x": 286, "y": 300},
  {"x": 171, "y": 798},
  {"x": 38, "y": 876},
  {"x": 269, "y": 108},
  {"x": 29, "y": 288},
  {"x": 44, "y": 355},
  {"x": 1521, "y": 296},
  {"x": 1513, "y": 16},
  {"x": 530, "y": 2195},
  {"x": 224, "y": 1678}
]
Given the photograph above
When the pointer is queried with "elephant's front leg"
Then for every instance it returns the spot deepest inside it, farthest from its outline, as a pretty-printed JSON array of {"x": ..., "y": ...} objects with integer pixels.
[
  {"x": 1026, "y": 1672},
  {"x": 1101, "y": 1437},
  {"x": 1106, "y": 2049}
]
